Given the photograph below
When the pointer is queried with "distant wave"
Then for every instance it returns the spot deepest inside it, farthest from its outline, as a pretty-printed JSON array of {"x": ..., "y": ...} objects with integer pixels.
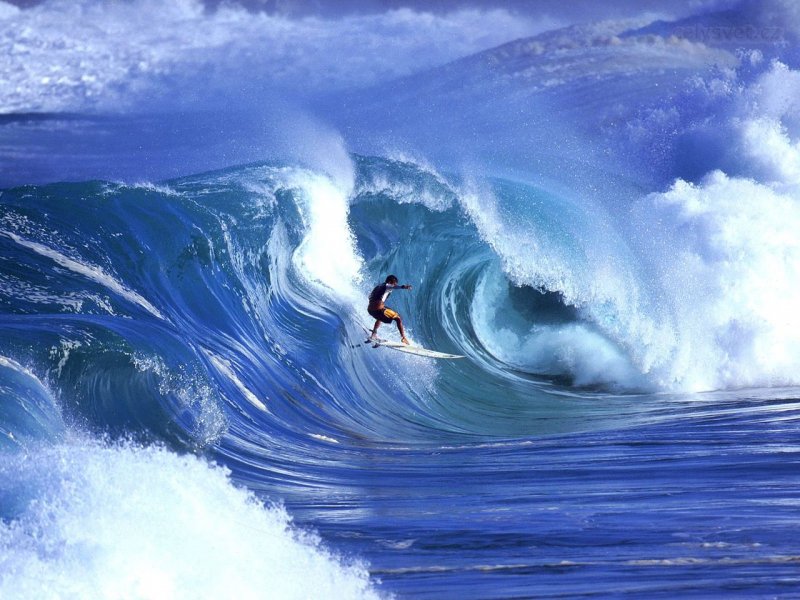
[{"x": 67, "y": 56}]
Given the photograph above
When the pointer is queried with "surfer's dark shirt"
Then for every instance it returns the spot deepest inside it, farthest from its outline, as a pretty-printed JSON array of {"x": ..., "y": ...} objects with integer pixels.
[{"x": 379, "y": 295}]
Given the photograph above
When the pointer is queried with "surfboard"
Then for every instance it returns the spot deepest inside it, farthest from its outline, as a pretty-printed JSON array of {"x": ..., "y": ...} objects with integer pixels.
[{"x": 416, "y": 350}]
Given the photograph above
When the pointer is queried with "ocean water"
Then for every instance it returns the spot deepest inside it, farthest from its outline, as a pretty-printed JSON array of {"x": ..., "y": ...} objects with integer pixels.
[{"x": 601, "y": 217}]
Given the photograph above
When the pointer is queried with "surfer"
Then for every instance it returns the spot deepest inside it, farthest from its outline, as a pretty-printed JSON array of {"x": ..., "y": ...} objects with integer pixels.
[{"x": 378, "y": 310}]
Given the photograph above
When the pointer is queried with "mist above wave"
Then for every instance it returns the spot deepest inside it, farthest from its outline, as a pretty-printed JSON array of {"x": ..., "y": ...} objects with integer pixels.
[{"x": 64, "y": 56}]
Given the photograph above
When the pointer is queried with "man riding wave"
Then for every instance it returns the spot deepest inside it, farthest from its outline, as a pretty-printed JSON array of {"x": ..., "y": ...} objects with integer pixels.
[{"x": 380, "y": 312}]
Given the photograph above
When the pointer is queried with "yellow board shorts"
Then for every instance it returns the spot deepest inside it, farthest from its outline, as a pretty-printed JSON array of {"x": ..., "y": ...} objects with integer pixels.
[{"x": 385, "y": 315}]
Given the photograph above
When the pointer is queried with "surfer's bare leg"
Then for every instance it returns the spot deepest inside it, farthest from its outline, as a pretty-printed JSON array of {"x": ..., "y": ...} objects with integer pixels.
[
  {"x": 375, "y": 329},
  {"x": 399, "y": 322}
]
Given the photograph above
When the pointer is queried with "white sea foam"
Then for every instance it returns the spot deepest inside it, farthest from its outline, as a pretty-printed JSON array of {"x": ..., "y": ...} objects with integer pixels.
[
  {"x": 725, "y": 250},
  {"x": 91, "y": 521},
  {"x": 327, "y": 255},
  {"x": 766, "y": 118},
  {"x": 728, "y": 259}
]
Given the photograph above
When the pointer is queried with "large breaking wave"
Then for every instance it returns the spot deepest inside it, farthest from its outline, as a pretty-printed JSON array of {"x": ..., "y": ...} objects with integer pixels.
[
  {"x": 254, "y": 279},
  {"x": 605, "y": 214},
  {"x": 225, "y": 311}
]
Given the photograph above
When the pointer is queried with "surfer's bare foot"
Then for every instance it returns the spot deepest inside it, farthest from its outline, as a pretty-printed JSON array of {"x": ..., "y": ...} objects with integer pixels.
[{"x": 405, "y": 341}]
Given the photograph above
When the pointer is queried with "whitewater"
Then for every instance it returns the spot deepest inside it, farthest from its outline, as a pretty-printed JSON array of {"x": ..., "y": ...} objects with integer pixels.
[{"x": 601, "y": 216}]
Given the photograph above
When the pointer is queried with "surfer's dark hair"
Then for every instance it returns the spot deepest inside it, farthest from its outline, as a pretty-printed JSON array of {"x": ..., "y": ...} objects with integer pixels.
[{"x": 391, "y": 279}]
